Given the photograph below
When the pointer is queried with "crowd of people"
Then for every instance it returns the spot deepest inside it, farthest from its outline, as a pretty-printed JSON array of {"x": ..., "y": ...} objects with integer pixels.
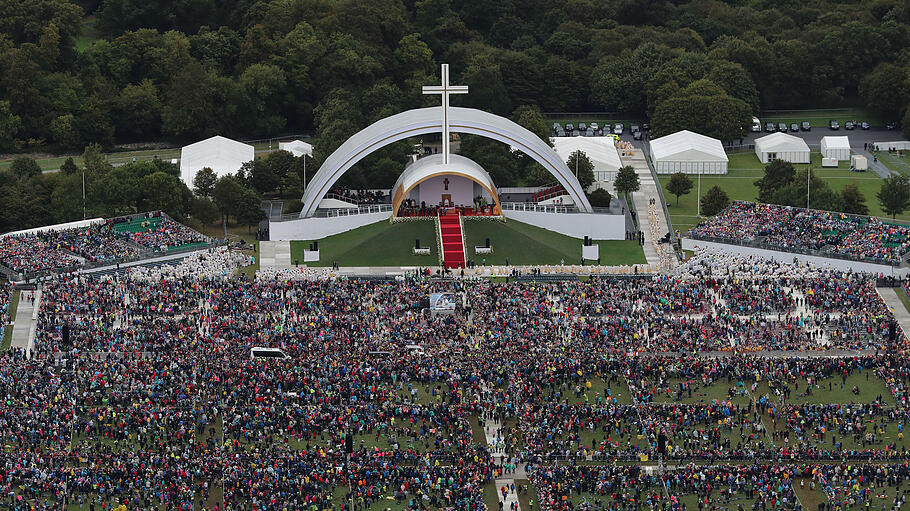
[
  {"x": 57, "y": 250},
  {"x": 797, "y": 229},
  {"x": 142, "y": 388}
]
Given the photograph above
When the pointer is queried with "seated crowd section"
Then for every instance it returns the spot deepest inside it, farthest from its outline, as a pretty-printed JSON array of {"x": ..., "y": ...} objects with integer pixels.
[
  {"x": 797, "y": 229},
  {"x": 141, "y": 391},
  {"x": 115, "y": 240}
]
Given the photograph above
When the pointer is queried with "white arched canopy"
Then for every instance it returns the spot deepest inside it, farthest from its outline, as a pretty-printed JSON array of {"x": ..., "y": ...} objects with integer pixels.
[
  {"x": 432, "y": 166},
  {"x": 429, "y": 120}
]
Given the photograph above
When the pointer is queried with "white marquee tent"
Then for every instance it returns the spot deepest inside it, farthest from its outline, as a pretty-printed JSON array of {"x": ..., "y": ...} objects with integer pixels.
[
  {"x": 836, "y": 147},
  {"x": 222, "y": 155},
  {"x": 297, "y": 147},
  {"x": 781, "y": 146},
  {"x": 692, "y": 153},
  {"x": 601, "y": 150}
]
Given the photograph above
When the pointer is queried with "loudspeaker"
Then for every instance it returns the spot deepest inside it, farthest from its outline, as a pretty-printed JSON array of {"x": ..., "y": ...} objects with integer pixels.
[
  {"x": 417, "y": 243},
  {"x": 892, "y": 333},
  {"x": 311, "y": 247},
  {"x": 587, "y": 242},
  {"x": 66, "y": 333},
  {"x": 488, "y": 242},
  {"x": 348, "y": 443},
  {"x": 662, "y": 443},
  {"x": 315, "y": 246}
]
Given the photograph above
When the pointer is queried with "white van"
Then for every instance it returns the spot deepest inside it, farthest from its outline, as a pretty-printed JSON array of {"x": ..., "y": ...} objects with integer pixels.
[{"x": 756, "y": 125}]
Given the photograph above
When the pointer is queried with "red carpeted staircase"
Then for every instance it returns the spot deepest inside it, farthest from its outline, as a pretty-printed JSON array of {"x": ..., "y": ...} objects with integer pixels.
[{"x": 452, "y": 241}]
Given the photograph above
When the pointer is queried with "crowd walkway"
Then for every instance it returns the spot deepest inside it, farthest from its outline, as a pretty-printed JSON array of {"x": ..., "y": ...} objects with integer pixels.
[
  {"x": 506, "y": 491},
  {"x": 889, "y": 295},
  {"x": 651, "y": 220},
  {"x": 26, "y": 320}
]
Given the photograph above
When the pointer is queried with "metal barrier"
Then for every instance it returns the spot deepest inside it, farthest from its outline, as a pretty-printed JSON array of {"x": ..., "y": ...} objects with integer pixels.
[{"x": 646, "y": 149}]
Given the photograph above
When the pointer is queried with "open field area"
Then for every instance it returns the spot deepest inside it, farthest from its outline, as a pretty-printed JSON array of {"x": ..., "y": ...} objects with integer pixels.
[{"x": 739, "y": 183}]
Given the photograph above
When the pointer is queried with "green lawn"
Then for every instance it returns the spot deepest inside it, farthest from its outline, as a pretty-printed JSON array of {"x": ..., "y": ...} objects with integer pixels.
[
  {"x": 819, "y": 118},
  {"x": 379, "y": 244},
  {"x": 523, "y": 244},
  {"x": 745, "y": 168},
  {"x": 896, "y": 162},
  {"x": 902, "y": 296}
]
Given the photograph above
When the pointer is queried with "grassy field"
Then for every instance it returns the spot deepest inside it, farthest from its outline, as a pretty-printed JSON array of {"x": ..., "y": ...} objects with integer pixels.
[
  {"x": 739, "y": 183},
  {"x": 378, "y": 244},
  {"x": 820, "y": 118},
  {"x": 896, "y": 162},
  {"x": 522, "y": 243}
]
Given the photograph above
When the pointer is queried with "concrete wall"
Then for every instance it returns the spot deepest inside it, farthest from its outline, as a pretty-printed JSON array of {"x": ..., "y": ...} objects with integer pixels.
[
  {"x": 318, "y": 228},
  {"x": 577, "y": 225},
  {"x": 788, "y": 257}
]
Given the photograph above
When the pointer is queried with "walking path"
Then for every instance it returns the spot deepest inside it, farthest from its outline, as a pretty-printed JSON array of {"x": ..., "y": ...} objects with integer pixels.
[
  {"x": 509, "y": 500},
  {"x": 889, "y": 295},
  {"x": 275, "y": 254},
  {"x": 648, "y": 213},
  {"x": 26, "y": 321}
]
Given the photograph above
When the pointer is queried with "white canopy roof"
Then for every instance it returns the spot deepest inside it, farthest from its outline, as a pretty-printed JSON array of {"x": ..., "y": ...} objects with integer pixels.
[
  {"x": 222, "y": 155},
  {"x": 781, "y": 143},
  {"x": 601, "y": 150},
  {"x": 687, "y": 146},
  {"x": 297, "y": 147},
  {"x": 835, "y": 143},
  {"x": 55, "y": 227},
  {"x": 431, "y": 166}
]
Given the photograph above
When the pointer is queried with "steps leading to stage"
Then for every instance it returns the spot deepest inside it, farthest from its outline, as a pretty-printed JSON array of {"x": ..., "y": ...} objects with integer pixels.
[{"x": 452, "y": 240}]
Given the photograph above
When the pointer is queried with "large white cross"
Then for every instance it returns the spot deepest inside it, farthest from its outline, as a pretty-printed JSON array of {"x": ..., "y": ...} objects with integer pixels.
[{"x": 444, "y": 90}]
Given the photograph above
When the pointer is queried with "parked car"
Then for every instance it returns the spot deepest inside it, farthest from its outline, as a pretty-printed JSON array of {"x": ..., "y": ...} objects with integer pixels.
[
  {"x": 637, "y": 135},
  {"x": 618, "y": 129},
  {"x": 849, "y": 125},
  {"x": 782, "y": 126},
  {"x": 805, "y": 126},
  {"x": 756, "y": 125},
  {"x": 594, "y": 126},
  {"x": 834, "y": 125},
  {"x": 891, "y": 125},
  {"x": 589, "y": 132},
  {"x": 557, "y": 126},
  {"x": 794, "y": 126},
  {"x": 634, "y": 128},
  {"x": 769, "y": 127},
  {"x": 582, "y": 126},
  {"x": 864, "y": 125},
  {"x": 560, "y": 132},
  {"x": 645, "y": 126},
  {"x": 608, "y": 128}
]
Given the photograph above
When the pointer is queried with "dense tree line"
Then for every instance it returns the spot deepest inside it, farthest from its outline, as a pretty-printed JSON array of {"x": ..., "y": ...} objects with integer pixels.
[{"x": 181, "y": 70}]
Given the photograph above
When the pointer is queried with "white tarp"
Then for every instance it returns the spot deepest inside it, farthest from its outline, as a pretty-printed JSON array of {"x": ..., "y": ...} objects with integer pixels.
[
  {"x": 56, "y": 227},
  {"x": 222, "y": 155},
  {"x": 601, "y": 151},
  {"x": 897, "y": 145},
  {"x": 836, "y": 147},
  {"x": 297, "y": 147},
  {"x": 689, "y": 152},
  {"x": 781, "y": 146}
]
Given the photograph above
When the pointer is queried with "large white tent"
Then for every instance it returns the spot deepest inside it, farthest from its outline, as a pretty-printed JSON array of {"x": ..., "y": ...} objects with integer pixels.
[
  {"x": 600, "y": 150},
  {"x": 297, "y": 147},
  {"x": 222, "y": 155},
  {"x": 688, "y": 152},
  {"x": 836, "y": 147},
  {"x": 781, "y": 146}
]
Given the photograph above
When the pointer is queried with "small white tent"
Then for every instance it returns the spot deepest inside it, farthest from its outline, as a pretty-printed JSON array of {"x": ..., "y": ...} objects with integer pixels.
[
  {"x": 296, "y": 147},
  {"x": 781, "y": 146},
  {"x": 222, "y": 155},
  {"x": 688, "y": 152},
  {"x": 836, "y": 147}
]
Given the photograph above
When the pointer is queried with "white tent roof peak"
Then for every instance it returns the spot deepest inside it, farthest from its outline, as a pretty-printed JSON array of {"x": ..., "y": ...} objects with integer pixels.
[
  {"x": 841, "y": 142},
  {"x": 781, "y": 142},
  {"x": 297, "y": 148},
  {"x": 221, "y": 154},
  {"x": 686, "y": 145}
]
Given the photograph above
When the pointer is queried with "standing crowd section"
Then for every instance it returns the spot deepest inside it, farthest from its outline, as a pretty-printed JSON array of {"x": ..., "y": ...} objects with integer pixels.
[
  {"x": 751, "y": 381},
  {"x": 793, "y": 229},
  {"x": 113, "y": 241}
]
